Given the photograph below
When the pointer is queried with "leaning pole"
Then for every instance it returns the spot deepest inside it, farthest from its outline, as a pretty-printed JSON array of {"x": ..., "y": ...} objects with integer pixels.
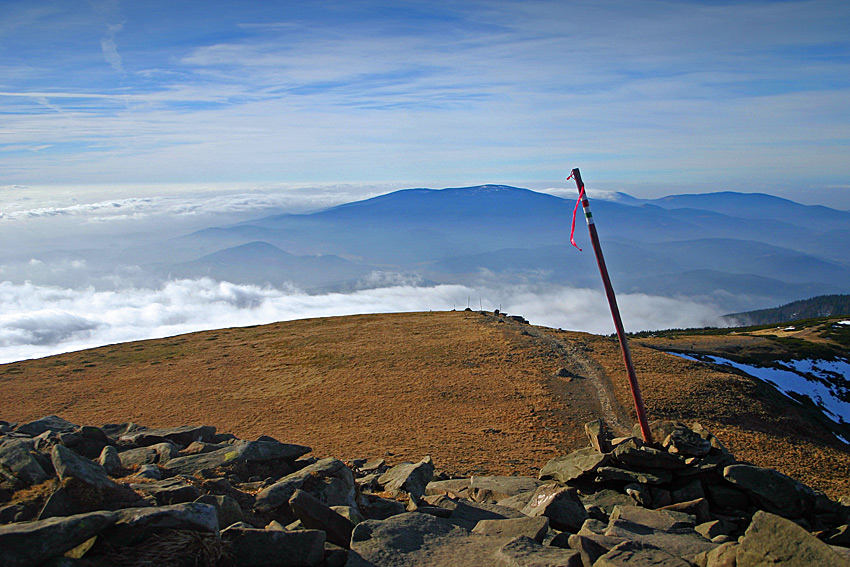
[{"x": 612, "y": 303}]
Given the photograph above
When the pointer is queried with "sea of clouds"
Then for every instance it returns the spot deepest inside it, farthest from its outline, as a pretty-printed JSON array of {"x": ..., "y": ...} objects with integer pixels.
[
  {"x": 51, "y": 302},
  {"x": 37, "y": 321}
]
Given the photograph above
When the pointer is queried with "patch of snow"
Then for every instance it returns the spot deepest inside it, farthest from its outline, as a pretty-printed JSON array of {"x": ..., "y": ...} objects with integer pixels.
[
  {"x": 843, "y": 323},
  {"x": 826, "y": 393},
  {"x": 842, "y": 439}
]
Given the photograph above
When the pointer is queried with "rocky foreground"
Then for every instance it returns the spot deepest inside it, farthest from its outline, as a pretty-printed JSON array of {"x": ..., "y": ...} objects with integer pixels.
[{"x": 126, "y": 495}]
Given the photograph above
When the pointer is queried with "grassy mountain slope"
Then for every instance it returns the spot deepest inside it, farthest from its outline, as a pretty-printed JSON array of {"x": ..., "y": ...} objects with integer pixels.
[{"x": 480, "y": 393}]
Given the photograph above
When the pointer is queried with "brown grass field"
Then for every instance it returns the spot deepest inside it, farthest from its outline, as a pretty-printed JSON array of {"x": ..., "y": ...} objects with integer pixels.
[{"x": 479, "y": 393}]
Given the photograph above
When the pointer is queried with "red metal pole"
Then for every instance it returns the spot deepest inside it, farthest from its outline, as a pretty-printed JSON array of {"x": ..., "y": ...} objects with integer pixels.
[{"x": 615, "y": 311}]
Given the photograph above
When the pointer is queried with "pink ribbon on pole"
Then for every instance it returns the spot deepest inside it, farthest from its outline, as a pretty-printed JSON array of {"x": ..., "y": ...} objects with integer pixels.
[{"x": 575, "y": 211}]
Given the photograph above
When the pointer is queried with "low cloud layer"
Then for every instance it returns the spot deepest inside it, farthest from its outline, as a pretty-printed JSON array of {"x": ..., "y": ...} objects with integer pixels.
[{"x": 37, "y": 321}]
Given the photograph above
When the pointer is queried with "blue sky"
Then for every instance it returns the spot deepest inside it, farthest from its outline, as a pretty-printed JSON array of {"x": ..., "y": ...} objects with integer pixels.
[{"x": 651, "y": 97}]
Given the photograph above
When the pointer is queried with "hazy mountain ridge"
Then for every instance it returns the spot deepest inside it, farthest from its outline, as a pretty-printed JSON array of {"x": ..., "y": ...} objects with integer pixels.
[
  {"x": 815, "y": 307},
  {"x": 452, "y": 235}
]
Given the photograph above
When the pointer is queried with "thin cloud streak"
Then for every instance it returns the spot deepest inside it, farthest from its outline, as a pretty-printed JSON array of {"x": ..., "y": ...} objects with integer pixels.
[{"x": 675, "y": 91}]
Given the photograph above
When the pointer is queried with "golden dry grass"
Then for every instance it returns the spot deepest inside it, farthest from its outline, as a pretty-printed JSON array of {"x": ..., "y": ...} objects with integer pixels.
[{"x": 478, "y": 393}]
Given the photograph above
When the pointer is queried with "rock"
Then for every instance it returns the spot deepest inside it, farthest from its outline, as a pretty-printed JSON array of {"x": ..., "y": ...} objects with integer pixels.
[
  {"x": 560, "y": 504},
  {"x": 526, "y": 552},
  {"x": 150, "y": 472},
  {"x": 517, "y": 502},
  {"x": 656, "y": 520},
  {"x": 137, "y": 524},
  {"x": 329, "y": 480},
  {"x": 456, "y": 487},
  {"x": 723, "y": 496},
  {"x": 684, "y": 441},
  {"x": 86, "y": 482},
  {"x": 591, "y": 546},
  {"x": 156, "y": 453},
  {"x": 421, "y": 540},
  {"x": 723, "y": 555},
  {"x": 350, "y": 513},
  {"x": 243, "y": 452},
  {"x": 316, "y": 515},
  {"x": 778, "y": 493},
  {"x": 199, "y": 447},
  {"x": 110, "y": 460},
  {"x": 607, "y": 474},
  {"x": 838, "y": 536},
  {"x": 535, "y": 528},
  {"x": 17, "y": 462},
  {"x": 495, "y": 488},
  {"x": 183, "y": 435},
  {"x": 605, "y": 500},
  {"x": 49, "y": 423},
  {"x": 644, "y": 457},
  {"x": 378, "y": 508},
  {"x": 669, "y": 531},
  {"x": 636, "y": 554},
  {"x": 697, "y": 508},
  {"x": 580, "y": 463},
  {"x": 640, "y": 493},
  {"x": 170, "y": 491},
  {"x": 710, "y": 529},
  {"x": 466, "y": 514},
  {"x": 28, "y": 544},
  {"x": 227, "y": 509},
  {"x": 411, "y": 478},
  {"x": 274, "y": 548},
  {"x": 772, "y": 540},
  {"x": 690, "y": 491},
  {"x": 599, "y": 434}
]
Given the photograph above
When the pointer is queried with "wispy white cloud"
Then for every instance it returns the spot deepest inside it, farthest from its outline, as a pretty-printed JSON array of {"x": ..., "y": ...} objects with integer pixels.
[
  {"x": 38, "y": 321},
  {"x": 448, "y": 93},
  {"x": 110, "y": 49}
]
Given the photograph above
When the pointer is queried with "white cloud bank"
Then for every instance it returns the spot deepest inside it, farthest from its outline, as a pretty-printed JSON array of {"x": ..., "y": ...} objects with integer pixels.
[{"x": 37, "y": 321}]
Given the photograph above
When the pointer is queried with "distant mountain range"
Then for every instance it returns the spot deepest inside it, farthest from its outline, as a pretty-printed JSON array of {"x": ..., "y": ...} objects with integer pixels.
[{"x": 740, "y": 251}]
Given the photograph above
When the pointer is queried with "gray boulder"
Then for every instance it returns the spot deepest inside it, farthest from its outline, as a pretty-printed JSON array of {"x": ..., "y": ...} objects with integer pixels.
[
  {"x": 583, "y": 462},
  {"x": 772, "y": 540},
  {"x": 170, "y": 491},
  {"x": 156, "y": 453},
  {"x": 637, "y": 554},
  {"x": 684, "y": 441},
  {"x": 422, "y": 540},
  {"x": 86, "y": 482},
  {"x": 643, "y": 457},
  {"x": 275, "y": 548},
  {"x": 329, "y": 480},
  {"x": 526, "y": 552},
  {"x": 485, "y": 488},
  {"x": 19, "y": 465},
  {"x": 535, "y": 528},
  {"x": 109, "y": 460},
  {"x": 411, "y": 478},
  {"x": 243, "y": 452},
  {"x": 137, "y": 524},
  {"x": 316, "y": 515},
  {"x": 48, "y": 423},
  {"x": 183, "y": 435},
  {"x": 560, "y": 504},
  {"x": 28, "y": 544},
  {"x": 672, "y": 532},
  {"x": 778, "y": 493},
  {"x": 227, "y": 509}
]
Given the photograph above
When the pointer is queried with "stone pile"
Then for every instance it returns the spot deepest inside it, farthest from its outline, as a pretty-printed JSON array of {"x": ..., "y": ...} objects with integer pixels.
[{"x": 127, "y": 495}]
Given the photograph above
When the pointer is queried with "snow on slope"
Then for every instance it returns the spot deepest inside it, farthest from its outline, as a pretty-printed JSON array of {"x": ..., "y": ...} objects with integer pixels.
[{"x": 825, "y": 382}]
